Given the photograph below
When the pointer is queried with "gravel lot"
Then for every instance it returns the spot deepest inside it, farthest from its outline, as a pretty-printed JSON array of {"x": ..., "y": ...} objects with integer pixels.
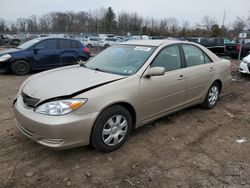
[{"x": 191, "y": 148}]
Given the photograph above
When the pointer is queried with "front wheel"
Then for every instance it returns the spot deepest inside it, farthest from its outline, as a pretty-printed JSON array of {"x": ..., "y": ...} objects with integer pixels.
[
  {"x": 80, "y": 60},
  {"x": 111, "y": 129},
  {"x": 20, "y": 67},
  {"x": 212, "y": 96},
  {"x": 106, "y": 46}
]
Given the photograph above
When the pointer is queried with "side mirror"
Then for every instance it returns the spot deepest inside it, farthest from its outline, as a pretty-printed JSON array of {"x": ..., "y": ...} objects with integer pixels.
[
  {"x": 37, "y": 49},
  {"x": 155, "y": 71}
]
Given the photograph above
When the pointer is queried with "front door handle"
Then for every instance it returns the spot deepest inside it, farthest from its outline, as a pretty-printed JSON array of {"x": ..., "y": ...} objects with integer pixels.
[{"x": 181, "y": 77}]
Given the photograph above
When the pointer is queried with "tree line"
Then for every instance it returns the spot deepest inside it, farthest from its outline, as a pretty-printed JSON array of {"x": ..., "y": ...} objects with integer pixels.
[{"x": 105, "y": 20}]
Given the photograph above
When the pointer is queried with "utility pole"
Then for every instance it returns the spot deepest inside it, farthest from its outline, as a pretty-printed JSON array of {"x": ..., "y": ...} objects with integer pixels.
[
  {"x": 141, "y": 32},
  {"x": 223, "y": 22},
  {"x": 66, "y": 29},
  {"x": 224, "y": 17}
]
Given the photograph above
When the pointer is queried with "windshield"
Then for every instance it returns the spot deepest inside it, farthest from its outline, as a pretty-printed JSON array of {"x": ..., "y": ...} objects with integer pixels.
[
  {"x": 28, "y": 44},
  {"x": 121, "y": 59}
]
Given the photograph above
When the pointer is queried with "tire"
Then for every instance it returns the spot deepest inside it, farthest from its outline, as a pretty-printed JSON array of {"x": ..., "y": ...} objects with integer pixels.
[
  {"x": 106, "y": 134},
  {"x": 20, "y": 67},
  {"x": 212, "y": 96},
  {"x": 106, "y": 45},
  {"x": 80, "y": 59},
  {"x": 89, "y": 45}
]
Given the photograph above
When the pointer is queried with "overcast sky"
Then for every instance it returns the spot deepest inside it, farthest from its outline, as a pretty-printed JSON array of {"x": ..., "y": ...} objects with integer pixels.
[{"x": 190, "y": 10}]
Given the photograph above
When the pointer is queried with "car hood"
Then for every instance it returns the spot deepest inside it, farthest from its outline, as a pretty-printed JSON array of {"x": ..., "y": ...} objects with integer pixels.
[
  {"x": 247, "y": 58},
  {"x": 9, "y": 51},
  {"x": 69, "y": 81}
]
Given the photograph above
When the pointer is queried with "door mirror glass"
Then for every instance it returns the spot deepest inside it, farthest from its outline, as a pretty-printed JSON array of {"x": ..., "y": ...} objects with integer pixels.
[{"x": 155, "y": 71}]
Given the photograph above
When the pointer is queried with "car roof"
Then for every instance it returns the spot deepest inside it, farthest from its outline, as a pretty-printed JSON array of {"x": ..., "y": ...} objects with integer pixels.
[
  {"x": 153, "y": 42},
  {"x": 44, "y": 38}
]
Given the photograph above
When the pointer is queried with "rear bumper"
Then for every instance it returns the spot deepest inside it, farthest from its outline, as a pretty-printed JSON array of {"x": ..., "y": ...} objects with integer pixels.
[
  {"x": 58, "y": 132},
  {"x": 232, "y": 53}
]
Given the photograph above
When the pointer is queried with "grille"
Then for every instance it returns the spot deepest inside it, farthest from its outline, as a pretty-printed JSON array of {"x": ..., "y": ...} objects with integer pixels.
[{"x": 30, "y": 101}]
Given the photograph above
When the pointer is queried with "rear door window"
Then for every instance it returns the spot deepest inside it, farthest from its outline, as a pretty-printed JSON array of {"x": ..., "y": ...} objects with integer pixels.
[
  {"x": 64, "y": 44},
  {"x": 74, "y": 44},
  {"x": 194, "y": 56}
]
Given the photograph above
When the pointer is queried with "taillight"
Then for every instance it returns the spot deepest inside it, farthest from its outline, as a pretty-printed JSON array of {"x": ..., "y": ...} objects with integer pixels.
[
  {"x": 86, "y": 50},
  {"x": 238, "y": 47}
]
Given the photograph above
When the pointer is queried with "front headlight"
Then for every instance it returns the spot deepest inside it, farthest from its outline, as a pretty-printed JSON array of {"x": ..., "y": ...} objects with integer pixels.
[
  {"x": 5, "y": 57},
  {"x": 60, "y": 107}
]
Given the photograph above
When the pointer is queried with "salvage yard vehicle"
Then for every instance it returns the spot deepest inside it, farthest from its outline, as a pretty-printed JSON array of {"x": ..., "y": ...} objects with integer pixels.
[
  {"x": 216, "y": 44},
  {"x": 92, "y": 42},
  {"x": 109, "y": 41},
  {"x": 245, "y": 65},
  {"x": 41, "y": 54},
  {"x": 233, "y": 49},
  {"x": 9, "y": 40},
  {"x": 122, "y": 88}
]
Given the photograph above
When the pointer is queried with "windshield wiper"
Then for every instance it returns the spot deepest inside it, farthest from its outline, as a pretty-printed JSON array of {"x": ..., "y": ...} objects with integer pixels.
[{"x": 100, "y": 70}]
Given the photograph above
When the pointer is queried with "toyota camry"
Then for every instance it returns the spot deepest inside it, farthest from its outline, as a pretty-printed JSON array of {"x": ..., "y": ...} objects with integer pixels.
[{"x": 122, "y": 88}]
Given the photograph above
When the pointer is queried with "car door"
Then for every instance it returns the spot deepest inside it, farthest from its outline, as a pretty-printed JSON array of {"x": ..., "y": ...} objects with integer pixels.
[
  {"x": 68, "y": 52},
  {"x": 160, "y": 94},
  {"x": 45, "y": 54},
  {"x": 199, "y": 71}
]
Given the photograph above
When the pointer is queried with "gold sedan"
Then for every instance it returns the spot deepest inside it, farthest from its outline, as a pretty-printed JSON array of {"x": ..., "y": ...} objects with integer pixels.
[{"x": 122, "y": 88}]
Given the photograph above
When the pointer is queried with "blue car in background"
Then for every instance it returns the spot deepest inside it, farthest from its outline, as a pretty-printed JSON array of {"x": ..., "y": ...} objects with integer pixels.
[{"x": 42, "y": 54}]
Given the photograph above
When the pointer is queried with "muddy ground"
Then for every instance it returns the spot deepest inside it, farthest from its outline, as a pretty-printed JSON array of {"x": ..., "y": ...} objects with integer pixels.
[{"x": 191, "y": 148}]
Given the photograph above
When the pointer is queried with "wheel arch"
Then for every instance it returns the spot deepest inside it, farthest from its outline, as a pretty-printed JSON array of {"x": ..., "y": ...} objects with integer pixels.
[
  {"x": 219, "y": 82},
  {"x": 126, "y": 105},
  {"x": 83, "y": 57}
]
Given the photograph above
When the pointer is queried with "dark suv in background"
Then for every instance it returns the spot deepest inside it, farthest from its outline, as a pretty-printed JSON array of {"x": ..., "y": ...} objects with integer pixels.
[{"x": 42, "y": 54}]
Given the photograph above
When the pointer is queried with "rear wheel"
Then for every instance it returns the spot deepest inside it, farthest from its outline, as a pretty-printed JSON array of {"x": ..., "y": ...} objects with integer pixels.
[
  {"x": 106, "y": 45},
  {"x": 111, "y": 129},
  {"x": 20, "y": 67},
  {"x": 89, "y": 45},
  {"x": 212, "y": 96}
]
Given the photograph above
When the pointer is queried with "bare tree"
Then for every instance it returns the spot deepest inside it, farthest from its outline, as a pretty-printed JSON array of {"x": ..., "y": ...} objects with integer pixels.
[
  {"x": 44, "y": 24},
  {"x": 173, "y": 25},
  {"x": 2, "y": 25},
  {"x": 123, "y": 23},
  {"x": 208, "y": 22},
  {"x": 21, "y": 24},
  {"x": 32, "y": 23},
  {"x": 238, "y": 26},
  {"x": 13, "y": 28}
]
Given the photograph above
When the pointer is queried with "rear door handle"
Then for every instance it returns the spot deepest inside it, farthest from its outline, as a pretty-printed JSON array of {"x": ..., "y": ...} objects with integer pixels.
[
  {"x": 181, "y": 77},
  {"x": 211, "y": 69}
]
